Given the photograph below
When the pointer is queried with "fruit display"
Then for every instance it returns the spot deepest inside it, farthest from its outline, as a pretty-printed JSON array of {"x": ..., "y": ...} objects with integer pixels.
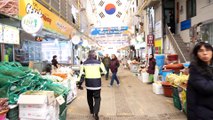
[
  {"x": 171, "y": 78},
  {"x": 177, "y": 79}
]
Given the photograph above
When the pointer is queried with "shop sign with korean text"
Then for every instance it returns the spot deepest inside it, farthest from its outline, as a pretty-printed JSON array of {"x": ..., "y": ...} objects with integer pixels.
[
  {"x": 158, "y": 30},
  {"x": 51, "y": 21},
  {"x": 32, "y": 23},
  {"x": 10, "y": 35},
  {"x": 150, "y": 40}
]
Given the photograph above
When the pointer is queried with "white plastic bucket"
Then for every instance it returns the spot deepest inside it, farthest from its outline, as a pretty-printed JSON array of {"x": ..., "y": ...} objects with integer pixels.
[
  {"x": 145, "y": 77},
  {"x": 157, "y": 88}
]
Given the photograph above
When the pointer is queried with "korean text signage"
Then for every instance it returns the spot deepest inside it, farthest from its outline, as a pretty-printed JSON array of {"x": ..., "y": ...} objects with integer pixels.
[
  {"x": 158, "y": 31},
  {"x": 50, "y": 20},
  {"x": 9, "y": 35},
  {"x": 31, "y": 23},
  {"x": 185, "y": 24},
  {"x": 150, "y": 40}
]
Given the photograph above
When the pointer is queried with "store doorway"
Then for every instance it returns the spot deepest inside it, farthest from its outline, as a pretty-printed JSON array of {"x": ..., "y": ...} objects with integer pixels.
[
  {"x": 8, "y": 53},
  {"x": 169, "y": 14}
]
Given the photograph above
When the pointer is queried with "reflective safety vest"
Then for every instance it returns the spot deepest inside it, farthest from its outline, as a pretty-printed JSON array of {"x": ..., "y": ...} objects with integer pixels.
[{"x": 92, "y": 69}]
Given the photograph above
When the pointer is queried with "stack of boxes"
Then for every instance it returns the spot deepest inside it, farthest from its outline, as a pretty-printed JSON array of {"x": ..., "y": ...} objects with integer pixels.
[{"x": 38, "y": 105}]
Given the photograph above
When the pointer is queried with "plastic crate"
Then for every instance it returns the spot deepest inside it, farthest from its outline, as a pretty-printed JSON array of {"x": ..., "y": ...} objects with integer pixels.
[
  {"x": 185, "y": 107},
  {"x": 13, "y": 113},
  {"x": 175, "y": 91},
  {"x": 177, "y": 102},
  {"x": 64, "y": 105},
  {"x": 63, "y": 115}
]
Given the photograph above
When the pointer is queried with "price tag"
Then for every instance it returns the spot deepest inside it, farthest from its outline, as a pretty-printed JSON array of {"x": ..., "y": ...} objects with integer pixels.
[{"x": 60, "y": 100}]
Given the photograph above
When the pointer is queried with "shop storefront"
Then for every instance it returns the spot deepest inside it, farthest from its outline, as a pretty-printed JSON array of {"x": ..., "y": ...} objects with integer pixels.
[
  {"x": 55, "y": 34},
  {"x": 207, "y": 32},
  {"x": 9, "y": 38}
]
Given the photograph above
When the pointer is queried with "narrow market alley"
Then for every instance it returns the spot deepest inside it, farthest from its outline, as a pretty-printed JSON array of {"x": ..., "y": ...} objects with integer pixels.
[{"x": 132, "y": 100}]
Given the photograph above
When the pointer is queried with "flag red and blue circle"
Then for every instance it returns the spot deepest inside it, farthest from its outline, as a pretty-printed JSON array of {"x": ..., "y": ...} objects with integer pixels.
[{"x": 110, "y": 9}]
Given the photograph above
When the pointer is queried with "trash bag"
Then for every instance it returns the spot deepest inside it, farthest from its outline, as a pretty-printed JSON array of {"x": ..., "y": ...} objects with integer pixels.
[
  {"x": 4, "y": 80},
  {"x": 11, "y": 71},
  {"x": 58, "y": 89},
  {"x": 4, "y": 90}
]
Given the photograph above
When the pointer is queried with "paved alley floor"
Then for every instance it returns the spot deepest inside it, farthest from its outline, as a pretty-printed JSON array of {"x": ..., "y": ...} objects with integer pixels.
[{"x": 133, "y": 100}]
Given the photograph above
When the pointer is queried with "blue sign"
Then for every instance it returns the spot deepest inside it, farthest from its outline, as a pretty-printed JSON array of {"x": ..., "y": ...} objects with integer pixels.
[
  {"x": 185, "y": 24},
  {"x": 108, "y": 30}
]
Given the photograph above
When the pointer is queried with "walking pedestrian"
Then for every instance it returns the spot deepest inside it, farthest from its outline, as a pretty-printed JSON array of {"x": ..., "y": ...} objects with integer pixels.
[
  {"x": 200, "y": 84},
  {"x": 91, "y": 69},
  {"x": 114, "y": 64},
  {"x": 151, "y": 68},
  {"x": 106, "y": 62}
]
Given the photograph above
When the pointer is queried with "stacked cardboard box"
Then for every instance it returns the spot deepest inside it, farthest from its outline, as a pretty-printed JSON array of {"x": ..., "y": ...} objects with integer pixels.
[{"x": 38, "y": 105}]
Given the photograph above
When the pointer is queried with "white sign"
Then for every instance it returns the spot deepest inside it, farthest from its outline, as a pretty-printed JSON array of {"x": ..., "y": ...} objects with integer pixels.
[
  {"x": 32, "y": 23},
  {"x": 10, "y": 35},
  {"x": 158, "y": 30},
  {"x": 1, "y": 34},
  {"x": 60, "y": 100}
]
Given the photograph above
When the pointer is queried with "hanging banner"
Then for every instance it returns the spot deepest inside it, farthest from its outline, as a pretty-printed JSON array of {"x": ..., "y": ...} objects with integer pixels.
[
  {"x": 51, "y": 21},
  {"x": 108, "y": 30},
  {"x": 1, "y": 34}
]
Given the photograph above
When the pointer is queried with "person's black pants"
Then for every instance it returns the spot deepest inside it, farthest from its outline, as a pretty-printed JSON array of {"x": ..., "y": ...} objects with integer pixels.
[
  {"x": 107, "y": 74},
  {"x": 94, "y": 100}
]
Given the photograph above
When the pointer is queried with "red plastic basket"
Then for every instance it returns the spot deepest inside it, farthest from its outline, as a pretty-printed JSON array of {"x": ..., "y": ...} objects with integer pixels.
[
  {"x": 167, "y": 88},
  {"x": 172, "y": 57}
]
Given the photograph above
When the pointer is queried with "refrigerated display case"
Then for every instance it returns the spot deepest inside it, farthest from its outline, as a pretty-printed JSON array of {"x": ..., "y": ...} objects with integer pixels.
[{"x": 32, "y": 51}]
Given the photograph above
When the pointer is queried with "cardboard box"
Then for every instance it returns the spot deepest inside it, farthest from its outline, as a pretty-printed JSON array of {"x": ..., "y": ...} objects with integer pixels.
[
  {"x": 37, "y": 105},
  {"x": 37, "y": 97}
]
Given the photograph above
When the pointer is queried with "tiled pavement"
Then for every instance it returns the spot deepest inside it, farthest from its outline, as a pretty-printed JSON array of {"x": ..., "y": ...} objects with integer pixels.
[{"x": 133, "y": 100}]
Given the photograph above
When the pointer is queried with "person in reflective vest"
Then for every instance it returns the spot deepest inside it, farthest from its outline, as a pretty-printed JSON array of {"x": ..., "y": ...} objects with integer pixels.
[{"x": 92, "y": 70}]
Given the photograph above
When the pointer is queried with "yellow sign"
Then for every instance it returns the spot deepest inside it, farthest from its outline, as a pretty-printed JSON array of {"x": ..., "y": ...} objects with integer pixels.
[
  {"x": 158, "y": 43},
  {"x": 51, "y": 21}
]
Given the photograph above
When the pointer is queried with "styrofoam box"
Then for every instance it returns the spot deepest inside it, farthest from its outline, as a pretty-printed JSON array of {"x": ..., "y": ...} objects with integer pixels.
[
  {"x": 157, "y": 88},
  {"x": 37, "y": 104},
  {"x": 47, "y": 118},
  {"x": 51, "y": 113},
  {"x": 36, "y": 114}
]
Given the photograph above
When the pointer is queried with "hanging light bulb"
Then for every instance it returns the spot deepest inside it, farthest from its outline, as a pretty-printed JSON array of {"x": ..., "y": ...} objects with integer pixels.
[
  {"x": 56, "y": 41},
  {"x": 76, "y": 39}
]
